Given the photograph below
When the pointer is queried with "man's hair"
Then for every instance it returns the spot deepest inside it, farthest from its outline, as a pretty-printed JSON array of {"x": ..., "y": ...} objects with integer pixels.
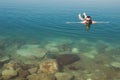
[{"x": 88, "y": 17}]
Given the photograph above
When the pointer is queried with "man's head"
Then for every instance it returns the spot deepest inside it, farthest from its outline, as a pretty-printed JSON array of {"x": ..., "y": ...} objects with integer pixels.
[{"x": 88, "y": 18}]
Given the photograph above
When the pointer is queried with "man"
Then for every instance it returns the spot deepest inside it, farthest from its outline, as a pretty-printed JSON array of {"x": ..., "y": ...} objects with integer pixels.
[{"x": 86, "y": 20}]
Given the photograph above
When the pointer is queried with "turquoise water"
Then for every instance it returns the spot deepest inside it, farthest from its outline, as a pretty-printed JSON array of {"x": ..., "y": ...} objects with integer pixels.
[
  {"x": 31, "y": 33},
  {"x": 37, "y": 22}
]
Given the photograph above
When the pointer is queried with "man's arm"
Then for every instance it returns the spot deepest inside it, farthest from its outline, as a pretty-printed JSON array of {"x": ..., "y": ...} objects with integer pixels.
[
  {"x": 83, "y": 22},
  {"x": 93, "y": 22}
]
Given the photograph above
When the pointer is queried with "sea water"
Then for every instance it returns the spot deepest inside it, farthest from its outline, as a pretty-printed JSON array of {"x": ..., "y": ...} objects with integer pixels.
[
  {"x": 37, "y": 22},
  {"x": 41, "y": 25}
]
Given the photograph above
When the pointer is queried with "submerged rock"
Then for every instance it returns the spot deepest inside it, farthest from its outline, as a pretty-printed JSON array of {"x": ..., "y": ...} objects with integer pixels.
[
  {"x": 23, "y": 73},
  {"x": 66, "y": 59},
  {"x": 75, "y": 50},
  {"x": 19, "y": 78},
  {"x": 30, "y": 51},
  {"x": 115, "y": 64},
  {"x": 9, "y": 65},
  {"x": 4, "y": 59},
  {"x": 33, "y": 70},
  {"x": 52, "y": 47},
  {"x": 41, "y": 76},
  {"x": 8, "y": 73},
  {"x": 64, "y": 76},
  {"x": 49, "y": 66}
]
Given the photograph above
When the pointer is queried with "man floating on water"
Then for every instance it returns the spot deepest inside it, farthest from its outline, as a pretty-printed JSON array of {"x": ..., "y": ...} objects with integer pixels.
[{"x": 87, "y": 20}]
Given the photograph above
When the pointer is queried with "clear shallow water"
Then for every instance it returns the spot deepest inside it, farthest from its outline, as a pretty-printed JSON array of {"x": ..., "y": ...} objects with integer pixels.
[{"x": 29, "y": 32}]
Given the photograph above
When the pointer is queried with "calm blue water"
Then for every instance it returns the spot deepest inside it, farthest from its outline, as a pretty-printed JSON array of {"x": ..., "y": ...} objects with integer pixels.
[
  {"x": 35, "y": 29},
  {"x": 36, "y": 22}
]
